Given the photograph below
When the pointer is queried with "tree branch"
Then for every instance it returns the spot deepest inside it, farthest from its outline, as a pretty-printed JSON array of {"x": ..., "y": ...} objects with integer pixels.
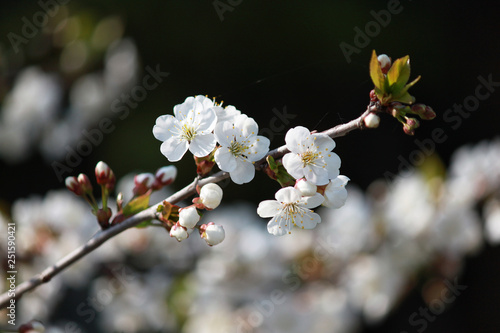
[{"x": 150, "y": 213}]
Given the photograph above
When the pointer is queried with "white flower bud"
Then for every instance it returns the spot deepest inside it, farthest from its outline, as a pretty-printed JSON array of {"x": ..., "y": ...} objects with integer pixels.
[
  {"x": 179, "y": 232},
  {"x": 147, "y": 179},
  {"x": 385, "y": 61},
  {"x": 188, "y": 217},
  {"x": 211, "y": 195},
  {"x": 306, "y": 188},
  {"x": 212, "y": 233},
  {"x": 372, "y": 120},
  {"x": 166, "y": 174}
]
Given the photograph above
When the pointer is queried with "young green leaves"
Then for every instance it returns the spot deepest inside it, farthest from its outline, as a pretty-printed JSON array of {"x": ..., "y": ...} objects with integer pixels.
[{"x": 393, "y": 86}]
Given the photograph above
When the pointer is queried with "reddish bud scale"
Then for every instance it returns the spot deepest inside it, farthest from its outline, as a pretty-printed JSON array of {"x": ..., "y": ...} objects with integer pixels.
[
  {"x": 103, "y": 216},
  {"x": 73, "y": 185},
  {"x": 84, "y": 182}
]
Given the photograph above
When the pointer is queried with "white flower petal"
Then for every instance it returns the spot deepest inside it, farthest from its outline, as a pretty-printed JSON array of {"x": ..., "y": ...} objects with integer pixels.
[
  {"x": 294, "y": 138},
  {"x": 307, "y": 220},
  {"x": 288, "y": 195},
  {"x": 279, "y": 226},
  {"x": 204, "y": 120},
  {"x": 323, "y": 142},
  {"x": 312, "y": 201},
  {"x": 293, "y": 164},
  {"x": 174, "y": 149},
  {"x": 181, "y": 110},
  {"x": 243, "y": 173},
  {"x": 202, "y": 145},
  {"x": 224, "y": 133},
  {"x": 224, "y": 159},
  {"x": 259, "y": 147},
  {"x": 163, "y": 127},
  {"x": 268, "y": 208}
]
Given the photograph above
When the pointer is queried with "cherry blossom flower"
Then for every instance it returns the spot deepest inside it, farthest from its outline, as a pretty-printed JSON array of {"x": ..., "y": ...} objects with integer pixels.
[
  {"x": 336, "y": 193},
  {"x": 311, "y": 156},
  {"x": 229, "y": 113},
  {"x": 290, "y": 208},
  {"x": 191, "y": 128},
  {"x": 240, "y": 148}
]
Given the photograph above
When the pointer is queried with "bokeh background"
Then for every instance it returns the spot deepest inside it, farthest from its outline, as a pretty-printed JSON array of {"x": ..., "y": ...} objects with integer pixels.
[{"x": 259, "y": 56}]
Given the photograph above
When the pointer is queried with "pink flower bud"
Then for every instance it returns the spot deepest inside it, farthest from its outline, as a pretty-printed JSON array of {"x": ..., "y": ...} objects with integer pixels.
[
  {"x": 143, "y": 183},
  {"x": 179, "y": 232},
  {"x": 212, "y": 233},
  {"x": 165, "y": 176},
  {"x": 73, "y": 185},
  {"x": 84, "y": 182},
  {"x": 105, "y": 175}
]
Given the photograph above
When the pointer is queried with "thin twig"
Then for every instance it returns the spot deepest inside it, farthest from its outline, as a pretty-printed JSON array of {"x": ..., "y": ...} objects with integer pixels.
[{"x": 150, "y": 213}]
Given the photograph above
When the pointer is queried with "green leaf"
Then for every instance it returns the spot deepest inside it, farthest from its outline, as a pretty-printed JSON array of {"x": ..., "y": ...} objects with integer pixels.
[
  {"x": 376, "y": 74},
  {"x": 399, "y": 74},
  {"x": 405, "y": 98},
  {"x": 137, "y": 205}
]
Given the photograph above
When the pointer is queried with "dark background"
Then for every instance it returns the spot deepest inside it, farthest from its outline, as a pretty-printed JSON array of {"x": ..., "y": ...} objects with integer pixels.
[{"x": 276, "y": 54}]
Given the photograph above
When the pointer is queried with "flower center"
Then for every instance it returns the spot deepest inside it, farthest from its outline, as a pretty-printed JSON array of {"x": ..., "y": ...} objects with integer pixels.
[
  {"x": 188, "y": 132},
  {"x": 237, "y": 148},
  {"x": 309, "y": 157}
]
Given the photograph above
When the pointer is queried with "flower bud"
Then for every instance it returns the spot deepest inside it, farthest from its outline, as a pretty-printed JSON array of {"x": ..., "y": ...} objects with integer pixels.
[
  {"x": 423, "y": 111},
  {"x": 33, "y": 326},
  {"x": 188, "y": 217},
  {"x": 306, "y": 188},
  {"x": 164, "y": 176},
  {"x": 143, "y": 183},
  {"x": 212, "y": 233},
  {"x": 104, "y": 175},
  {"x": 211, "y": 195},
  {"x": 179, "y": 232},
  {"x": 372, "y": 120},
  {"x": 373, "y": 95},
  {"x": 84, "y": 182},
  {"x": 103, "y": 216},
  {"x": 410, "y": 126},
  {"x": 73, "y": 185},
  {"x": 385, "y": 62},
  {"x": 398, "y": 109}
]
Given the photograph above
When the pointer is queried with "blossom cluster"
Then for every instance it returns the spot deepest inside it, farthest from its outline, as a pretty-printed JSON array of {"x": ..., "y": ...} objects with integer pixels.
[
  {"x": 205, "y": 128},
  {"x": 316, "y": 168},
  {"x": 199, "y": 124}
]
